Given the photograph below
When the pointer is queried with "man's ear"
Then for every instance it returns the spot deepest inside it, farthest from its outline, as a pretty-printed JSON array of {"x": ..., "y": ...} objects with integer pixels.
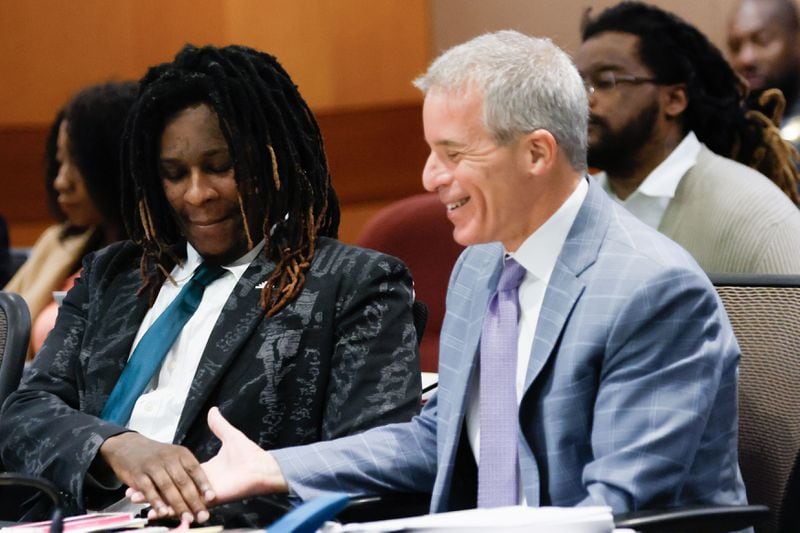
[
  {"x": 674, "y": 100},
  {"x": 541, "y": 151}
]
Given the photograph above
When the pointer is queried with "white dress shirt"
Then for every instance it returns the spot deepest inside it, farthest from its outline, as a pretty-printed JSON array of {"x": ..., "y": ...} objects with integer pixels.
[
  {"x": 158, "y": 410},
  {"x": 538, "y": 254},
  {"x": 650, "y": 200}
]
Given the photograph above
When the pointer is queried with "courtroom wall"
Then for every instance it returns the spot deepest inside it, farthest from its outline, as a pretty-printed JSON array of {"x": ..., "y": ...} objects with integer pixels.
[
  {"x": 454, "y": 21},
  {"x": 352, "y": 59}
]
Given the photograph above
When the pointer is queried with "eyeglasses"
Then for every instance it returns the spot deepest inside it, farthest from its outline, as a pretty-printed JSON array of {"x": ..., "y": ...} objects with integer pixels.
[{"x": 607, "y": 80}]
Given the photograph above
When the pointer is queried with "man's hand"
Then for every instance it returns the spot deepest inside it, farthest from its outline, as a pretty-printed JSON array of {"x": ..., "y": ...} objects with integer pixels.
[
  {"x": 241, "y": 468},
  {"x": 167, "y": 476}
]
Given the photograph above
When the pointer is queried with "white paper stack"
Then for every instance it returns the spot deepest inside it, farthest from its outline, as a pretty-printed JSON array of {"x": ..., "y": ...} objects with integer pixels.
[{"x": 505, "y": 519}]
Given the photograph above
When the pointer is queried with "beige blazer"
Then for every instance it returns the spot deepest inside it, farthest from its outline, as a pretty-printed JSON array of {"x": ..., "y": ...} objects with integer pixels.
[
  {"x": 733, "y": 219},
  {"x": 52, "y": 261}
]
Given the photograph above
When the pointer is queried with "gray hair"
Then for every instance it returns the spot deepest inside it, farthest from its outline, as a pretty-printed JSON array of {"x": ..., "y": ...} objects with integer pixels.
[{"x": 527, "y": 83}]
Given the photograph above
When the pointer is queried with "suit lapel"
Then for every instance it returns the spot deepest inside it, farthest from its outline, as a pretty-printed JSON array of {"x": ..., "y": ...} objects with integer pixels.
[
  {"x": 240, "y": 316},
  {"x": 119, "y": 320},
  {"x": 565, "y": 287},
  {"x": 472, "y": 303}
]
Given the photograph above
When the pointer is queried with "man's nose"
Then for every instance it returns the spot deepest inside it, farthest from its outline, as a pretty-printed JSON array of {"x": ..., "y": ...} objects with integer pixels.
[
  {"x": 434, "y": 174},
  {"x": 747, "y": 56},
  {"x": 201, "y": 188}
]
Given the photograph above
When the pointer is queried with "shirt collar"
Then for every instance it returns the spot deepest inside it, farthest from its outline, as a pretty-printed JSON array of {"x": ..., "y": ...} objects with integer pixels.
[
  {"x": 663, "y": 181},
  {"x": 539, "y": 252},
  {"x": 237, "y": 268}
]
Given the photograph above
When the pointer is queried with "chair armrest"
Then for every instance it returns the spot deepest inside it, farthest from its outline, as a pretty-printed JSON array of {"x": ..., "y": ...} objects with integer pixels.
[
  {"x": 9, "y": 479},
  {"x": 709, "y": 519},
  {"x": 385, "y": 507}
]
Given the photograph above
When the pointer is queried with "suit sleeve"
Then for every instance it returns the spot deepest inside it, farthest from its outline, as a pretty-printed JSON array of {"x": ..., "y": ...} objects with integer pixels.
[
  {"x": 375, "y": 375},
  {"x": 393, "y": 458},
  {"x": 666, "y": 398},
  {"x": 42, "y": 429}
]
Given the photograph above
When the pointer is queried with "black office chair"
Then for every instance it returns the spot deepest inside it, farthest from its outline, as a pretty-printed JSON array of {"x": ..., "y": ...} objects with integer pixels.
[
  {"x": 419, "y": 312},
  {"x": 790, "y": 512},
  {"x": 17, "y": 481},
  {"x": 15, "y": 330}
]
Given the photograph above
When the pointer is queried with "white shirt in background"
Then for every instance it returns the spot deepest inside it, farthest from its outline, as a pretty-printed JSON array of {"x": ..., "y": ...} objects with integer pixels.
[{"x": 650, "y": 200}]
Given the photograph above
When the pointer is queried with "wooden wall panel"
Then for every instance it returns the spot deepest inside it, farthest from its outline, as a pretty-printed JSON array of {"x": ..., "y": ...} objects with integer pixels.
[
  {"x": 342, "y": 53},
  {"x": 23, "y": 194},
  {"x": 376, "y": 154},
  {"x": 352, "y": 59},
  {"x": 47, "y": 53},
  {"x": 455, "y": 21}
]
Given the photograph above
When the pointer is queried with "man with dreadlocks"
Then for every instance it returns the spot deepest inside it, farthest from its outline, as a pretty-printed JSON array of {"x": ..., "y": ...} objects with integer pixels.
[
  {"x": 666, "y": 124},
  {"x": 764, "y": 47},
  {"x": 232, "y": 291}
]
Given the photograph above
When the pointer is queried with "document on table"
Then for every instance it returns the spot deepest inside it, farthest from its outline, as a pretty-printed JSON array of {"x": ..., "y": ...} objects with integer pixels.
[
  {"x": 509, "y": 519},
  {"x": 86, "y": 523}
]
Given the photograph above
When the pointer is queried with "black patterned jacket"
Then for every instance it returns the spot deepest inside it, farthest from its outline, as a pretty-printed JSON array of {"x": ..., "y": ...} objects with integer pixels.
[{"x": 341, "y": 358}]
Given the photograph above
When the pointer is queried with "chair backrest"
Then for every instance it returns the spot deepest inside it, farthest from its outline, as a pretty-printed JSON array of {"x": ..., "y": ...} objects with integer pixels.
[
  {"x": 15, "y": 331},
  {"x": 416, "y": 230},
  {"x": 765, "y": 314},
  {"x": 420, "y": 315}
]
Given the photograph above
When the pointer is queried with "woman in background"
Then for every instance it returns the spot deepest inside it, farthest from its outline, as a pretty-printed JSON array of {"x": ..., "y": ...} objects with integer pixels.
[{"x": 83, "y": 190}]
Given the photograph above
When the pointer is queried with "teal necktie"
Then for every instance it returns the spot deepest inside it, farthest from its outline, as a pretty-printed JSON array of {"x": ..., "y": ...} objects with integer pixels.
[{"x": 154, "y": 345}]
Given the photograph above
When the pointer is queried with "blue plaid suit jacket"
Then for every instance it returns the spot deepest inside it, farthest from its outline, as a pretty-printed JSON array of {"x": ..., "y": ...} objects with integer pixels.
[{"x": 630, "y": 393}]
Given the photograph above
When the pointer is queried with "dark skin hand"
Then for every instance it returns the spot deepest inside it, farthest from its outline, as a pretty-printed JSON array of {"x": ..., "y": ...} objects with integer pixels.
[{"x": 168, "y": 476}]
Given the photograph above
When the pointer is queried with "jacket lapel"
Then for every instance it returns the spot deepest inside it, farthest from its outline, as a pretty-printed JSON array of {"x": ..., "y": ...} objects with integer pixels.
[
  {"x": 460, "y": 351},
  {"x": 240, "y": 316},
  {"x": 488, "y": 274},
  {"x": 565, "y": 287},
  {"x": 119, "y": 320},
  {"x": 563, "y": 291}
]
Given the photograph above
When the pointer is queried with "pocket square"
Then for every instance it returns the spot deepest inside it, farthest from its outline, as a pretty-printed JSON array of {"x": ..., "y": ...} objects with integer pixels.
[{"x": 261, "y": 285}]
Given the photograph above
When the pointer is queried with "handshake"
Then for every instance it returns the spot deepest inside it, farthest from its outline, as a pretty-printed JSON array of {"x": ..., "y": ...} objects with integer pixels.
[{"x": 175, "y": 484}]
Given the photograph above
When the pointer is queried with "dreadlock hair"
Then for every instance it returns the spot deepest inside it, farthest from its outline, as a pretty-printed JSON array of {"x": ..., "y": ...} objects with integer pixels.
[
  {"x": 678, "y": 53},
  {"x": 95, "y": 118},
  {"x": 278, "y": 158}
]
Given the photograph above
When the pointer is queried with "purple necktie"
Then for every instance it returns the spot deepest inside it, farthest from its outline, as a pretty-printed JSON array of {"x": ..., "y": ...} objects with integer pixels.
[{"x": 497, "y": 469}]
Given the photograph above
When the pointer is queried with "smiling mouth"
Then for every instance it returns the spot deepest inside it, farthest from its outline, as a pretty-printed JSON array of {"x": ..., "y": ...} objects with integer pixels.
[
  {"x": 455, "y": 205},
  {"x": 205, "y": 223}
]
